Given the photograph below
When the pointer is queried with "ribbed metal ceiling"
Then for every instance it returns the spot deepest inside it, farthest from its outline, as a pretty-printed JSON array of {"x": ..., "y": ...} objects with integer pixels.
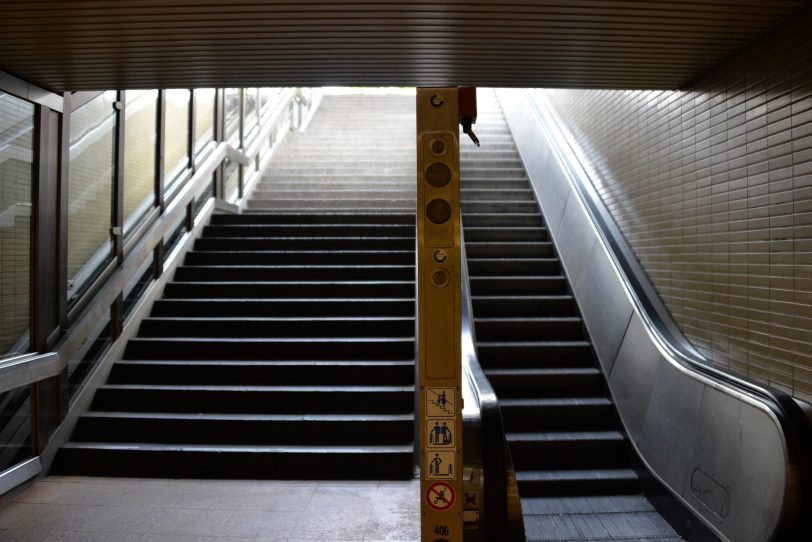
[{"x": 98, "y": 44}]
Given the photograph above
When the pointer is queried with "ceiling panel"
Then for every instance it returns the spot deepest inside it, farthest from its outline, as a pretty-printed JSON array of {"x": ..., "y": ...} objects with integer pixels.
[{"x": 95, "y": 44}]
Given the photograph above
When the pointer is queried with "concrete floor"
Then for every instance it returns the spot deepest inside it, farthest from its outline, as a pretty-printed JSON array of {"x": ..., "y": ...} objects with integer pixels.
[{"x": 79, "y": 509}]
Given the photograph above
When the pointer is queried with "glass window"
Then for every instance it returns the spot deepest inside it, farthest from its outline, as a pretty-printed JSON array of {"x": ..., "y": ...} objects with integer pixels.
[
  {"x": 173, "y": 237},
  {"x": 231, "y": 174},
  {"x": 268, "y": 97},
  {"x": 92, "y": 169},
  {"x": 232, "y": 115},
  {"x": 251, "y": 110},
  {"x": 15, "y": 427},
  {"x": 99, "y": 340},
  {"x": 16, "y": 172},
  {"x": 137, "y": 285},
  {"x": 139, "y": 155},
  {"x": 204, "y": 196},
  {"x": 176, "y": 135},
  {"x": 204, "y": 117}
]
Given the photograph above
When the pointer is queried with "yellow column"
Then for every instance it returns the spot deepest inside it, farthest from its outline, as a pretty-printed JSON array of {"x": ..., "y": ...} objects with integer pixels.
[{"x": 440, "y": 358}]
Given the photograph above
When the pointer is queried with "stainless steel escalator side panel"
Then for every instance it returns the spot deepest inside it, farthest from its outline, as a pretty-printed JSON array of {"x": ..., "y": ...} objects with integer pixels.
[{"x": 719, "y": 448}]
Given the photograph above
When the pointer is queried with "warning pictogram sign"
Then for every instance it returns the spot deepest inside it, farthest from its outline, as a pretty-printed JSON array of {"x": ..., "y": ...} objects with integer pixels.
[
  {"x": 440, "y": 433},
  {"x": 440, "y": 402},
  {"x": 440, "y": 496},
  {"x": 440, "y": 465}
]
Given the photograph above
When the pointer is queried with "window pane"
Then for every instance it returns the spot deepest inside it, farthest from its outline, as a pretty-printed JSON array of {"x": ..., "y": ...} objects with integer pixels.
[
  {"x": 92, "y": 136},
  {"x": 137, "y": 285},
  {"x": 231, "y": 173},
  {"x": 174, "y": 235},
  {"x": 16, "y": 171},
  {"x": 268, "y": 97},
  {"x": 232, "y": 115},
  {"x": 204, "y": 117},
  {"x": 139, "y": 155},
  {"x": 15, "y": 427},
  {"x": 176, "y": 145},
  {"x": 201, "y": 200},
  {"x": 97, "y": 343},
  {"x": 251, "y": 110}
]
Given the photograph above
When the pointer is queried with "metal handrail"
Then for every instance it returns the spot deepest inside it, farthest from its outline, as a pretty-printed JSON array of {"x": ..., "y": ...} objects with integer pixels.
[
  {"x": 655, "y": 316},
  {"x": 497, "y": 464},
  {"x": 27, "y": 369}
]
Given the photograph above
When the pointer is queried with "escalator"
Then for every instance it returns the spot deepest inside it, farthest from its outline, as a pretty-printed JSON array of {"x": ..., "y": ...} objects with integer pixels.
[{"x": 578, "y": 478}]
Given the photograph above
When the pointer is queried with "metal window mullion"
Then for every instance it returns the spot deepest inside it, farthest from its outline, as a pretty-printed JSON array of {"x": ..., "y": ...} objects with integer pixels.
[
  {"x": 160, "y": 132},
  {"x": 62, "y": 212},
  {"x": 190, "y": 131},
  {"x": 219, "y": 137},
  {"x": 117, "y": 209},
  {"x": 243, "y": 134},
  {"x": 117, "y": 212},
  {"x": 44, "y": 291},
  {"x": 193, "y": 128},
  {"x": 48, "y": 400}
]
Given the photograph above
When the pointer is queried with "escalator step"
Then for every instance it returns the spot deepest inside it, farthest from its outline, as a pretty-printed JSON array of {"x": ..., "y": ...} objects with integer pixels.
[
  {"x": 482, "y": 286},
  {"x": 546, "y": 382},
  {"x": 535, "y": 354},
  {"x": 577, "y": 482},
  {"x": 525, "y": 306}
]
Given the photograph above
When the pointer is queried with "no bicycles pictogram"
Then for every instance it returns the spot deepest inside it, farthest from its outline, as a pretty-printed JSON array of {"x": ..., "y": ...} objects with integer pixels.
[{"x": 440, "y": 496}]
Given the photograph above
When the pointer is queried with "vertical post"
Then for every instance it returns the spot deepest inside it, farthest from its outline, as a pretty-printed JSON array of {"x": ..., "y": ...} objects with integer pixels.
[
  {"x": 48, "y": 402},
  {"x": 439, "y": 314},
  {"x": 160, "y": 142},
  {"x": 117, "y": 207}
]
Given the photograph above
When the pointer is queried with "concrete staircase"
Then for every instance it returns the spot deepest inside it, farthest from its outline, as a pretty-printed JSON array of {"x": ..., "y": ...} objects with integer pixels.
[
  {"x": 358, "y": 154},
  {"x": 284, "y": 346}
]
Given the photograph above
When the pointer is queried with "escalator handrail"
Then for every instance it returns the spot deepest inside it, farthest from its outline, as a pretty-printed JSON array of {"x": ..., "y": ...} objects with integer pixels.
[
  {"x": 495, "y": 457},
  {"x": 794, "y": 422}
]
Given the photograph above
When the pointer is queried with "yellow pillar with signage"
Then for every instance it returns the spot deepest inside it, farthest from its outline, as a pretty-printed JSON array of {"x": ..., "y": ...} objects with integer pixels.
[{"x": 439, "y": 318}]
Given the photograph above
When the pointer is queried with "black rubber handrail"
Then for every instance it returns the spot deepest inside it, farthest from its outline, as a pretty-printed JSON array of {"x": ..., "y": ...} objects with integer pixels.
[
  {"x": 495, "y": 456},
  {"x": 796, "y": 522}
]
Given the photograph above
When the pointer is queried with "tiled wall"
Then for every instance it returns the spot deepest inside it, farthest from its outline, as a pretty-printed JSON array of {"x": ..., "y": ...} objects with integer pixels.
[{"x": 712, "y": 187}]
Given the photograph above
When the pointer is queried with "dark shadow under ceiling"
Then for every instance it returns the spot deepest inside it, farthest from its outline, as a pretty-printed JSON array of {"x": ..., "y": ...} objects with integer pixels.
[{"x": 100, "y": 44}]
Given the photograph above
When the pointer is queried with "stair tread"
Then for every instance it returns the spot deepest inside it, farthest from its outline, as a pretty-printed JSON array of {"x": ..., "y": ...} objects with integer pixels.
[
  {"x": 575, "y": 474},
  {"x": 234, "y": 448},
  {"x": 267, "y": 363},
  {"x": 541, "y": 319},
  {"x": 265, "y": 300},
  {"x": 534, "y": 343},
  {"x": 292, "y": 283},
  {"x": 557, "y": 401},
  {"x": 269, "y": 340},
  {"x": 286, "y": 318},
  {"x": 266, "y": 389},
  {"x": 552, "y": 371},
  {"x": 564, "y": 436},
  {"x": 250, "y": 417},
  {"x": 520, "y": 297},
  {"x": 523, "y": 277}
]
